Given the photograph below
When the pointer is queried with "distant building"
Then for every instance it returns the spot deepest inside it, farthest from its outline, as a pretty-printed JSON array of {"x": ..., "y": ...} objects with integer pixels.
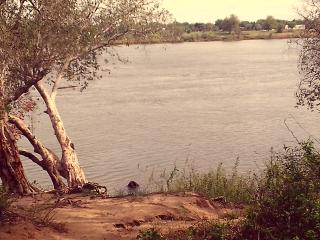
[{"x": 299, "y": 27}]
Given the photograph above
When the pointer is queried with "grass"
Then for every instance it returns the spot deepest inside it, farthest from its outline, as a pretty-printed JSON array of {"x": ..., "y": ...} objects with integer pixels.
[
  {"x": 213, "y": 36},
  {"x": 287, "y": 205},
  {"x": 283, "y": 203},
  {"x": 209, "y": 230},
  {"x": 233, "y": 186},
  {"x": 43, "y": 215},
  {"x": 244, "y": 35}
]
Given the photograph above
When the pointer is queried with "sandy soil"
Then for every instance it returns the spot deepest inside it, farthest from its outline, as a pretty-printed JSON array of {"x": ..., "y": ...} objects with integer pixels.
[{"x": 82, "y": 218}]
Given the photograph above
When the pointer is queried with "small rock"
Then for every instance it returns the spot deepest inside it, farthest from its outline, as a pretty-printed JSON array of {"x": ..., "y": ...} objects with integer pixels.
[
  {"x": 134, "y": 223},
  {"x": 164, "y": 217},
  {"x": 119, "y": 225},
  {"x": 133, "y": 185}
]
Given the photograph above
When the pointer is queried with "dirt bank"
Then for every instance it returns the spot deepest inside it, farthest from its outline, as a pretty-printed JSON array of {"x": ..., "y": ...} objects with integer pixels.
[{"x": 79, "y": 218}]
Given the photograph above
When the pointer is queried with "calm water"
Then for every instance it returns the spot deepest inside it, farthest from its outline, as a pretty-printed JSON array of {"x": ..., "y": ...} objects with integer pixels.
[{"x": 205, "y": 102}]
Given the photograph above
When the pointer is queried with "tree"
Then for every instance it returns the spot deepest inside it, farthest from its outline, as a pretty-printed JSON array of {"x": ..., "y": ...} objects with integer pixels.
[
  {"x": 280, "y": 28},
  {"x": 291, "y": 24},
  {"x": 257, "y": 26},
  {"x": 60, "y": 40},
  {"x": 11, "y": 169},
  {"x": 229, "y": 24},
  {"x": 308, "y": 93},
  {"x": 235, "y": 23},
  {"x": 270, "y": 23},
  {"x": 219, "y": 24},
  {"x": 246, "y": 25},
  {"x": 199, "y": 27}
]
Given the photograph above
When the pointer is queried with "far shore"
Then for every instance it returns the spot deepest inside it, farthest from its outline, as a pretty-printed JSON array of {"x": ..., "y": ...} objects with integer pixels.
[{"x": 220, "y": 37}]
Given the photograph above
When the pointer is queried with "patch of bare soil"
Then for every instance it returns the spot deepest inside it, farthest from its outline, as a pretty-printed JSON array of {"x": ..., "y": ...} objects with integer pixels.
[{"x": 82, "y": 218}]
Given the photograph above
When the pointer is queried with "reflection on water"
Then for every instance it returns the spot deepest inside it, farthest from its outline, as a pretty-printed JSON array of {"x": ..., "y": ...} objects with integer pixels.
[{"x": 206, "y": 102}]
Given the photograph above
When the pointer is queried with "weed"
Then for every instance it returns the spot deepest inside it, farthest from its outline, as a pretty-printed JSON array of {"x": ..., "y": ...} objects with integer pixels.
[
  {"x": 43, "y": 216},
  {"x": 149, "y": 234},
  {"x": 231, "y": 216},
  {"x": 203, "y": 230},
  {"x": 233, "y": 187}
]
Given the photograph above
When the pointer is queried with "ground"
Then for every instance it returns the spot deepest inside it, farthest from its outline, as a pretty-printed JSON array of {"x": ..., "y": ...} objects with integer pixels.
[{"x": 83, "y": 217}]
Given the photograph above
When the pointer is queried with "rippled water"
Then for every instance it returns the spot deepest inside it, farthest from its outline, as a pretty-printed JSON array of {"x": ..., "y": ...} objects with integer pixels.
[{"x": 205, "y": 102}]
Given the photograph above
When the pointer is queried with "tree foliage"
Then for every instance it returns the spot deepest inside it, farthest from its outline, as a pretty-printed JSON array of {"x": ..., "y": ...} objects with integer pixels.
[
  {"x": 287, "y": 202},
  {"x": 55, "y": 40},
  {"x": 229, "y": 24},
  {"x": 308, "y": 93},
  {"x": 38, "y": 37},
  {"x": 270, "y": 23}
]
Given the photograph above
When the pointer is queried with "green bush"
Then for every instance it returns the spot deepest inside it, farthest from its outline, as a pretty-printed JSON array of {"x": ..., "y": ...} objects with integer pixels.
[
  {"x": 287, "y": 203},
  {"x": 203, "y": 230},
  {"x": 149, "y": 234},
  {"x": 207, "y": 230}
]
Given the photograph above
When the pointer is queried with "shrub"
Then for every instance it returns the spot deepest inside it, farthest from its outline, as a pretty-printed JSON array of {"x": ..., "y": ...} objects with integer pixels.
[
  {"x": 209, "y": 230},
  {"x": 206, "y": 230},
  {"x": 149, "y": 234},
  {"x": 287, "y": 205}
]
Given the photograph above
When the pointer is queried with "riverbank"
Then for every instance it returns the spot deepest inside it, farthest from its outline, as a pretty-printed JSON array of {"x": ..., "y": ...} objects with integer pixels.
[
  {"x": 219, "y": 36},
  {"x": 280, "y": 203},
  {"x": 81, "y": 217},
  {"x": 244, "y": 35}
]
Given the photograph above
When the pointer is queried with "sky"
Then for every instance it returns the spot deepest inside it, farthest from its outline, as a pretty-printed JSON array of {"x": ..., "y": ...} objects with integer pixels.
[{"x": 209, "y": 10}]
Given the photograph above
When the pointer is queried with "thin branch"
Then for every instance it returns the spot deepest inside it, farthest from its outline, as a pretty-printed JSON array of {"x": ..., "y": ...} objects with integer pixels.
[
  {"x": 34, "y": 6},
  {"x": 21, "y": 126},
  {"x": 100, "y": 46},
  {"x": 59, "y": 78},
  {"x": 28, "y": 84},
  {"x": 32, "y": 157},
  {"x": 292, "y": 133}
]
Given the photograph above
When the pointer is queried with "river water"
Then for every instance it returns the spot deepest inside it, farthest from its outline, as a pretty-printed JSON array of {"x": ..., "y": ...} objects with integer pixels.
[{"x": 204, "y": 103}]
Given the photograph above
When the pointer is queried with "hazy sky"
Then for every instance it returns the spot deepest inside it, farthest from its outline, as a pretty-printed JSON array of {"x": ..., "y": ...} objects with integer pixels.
[{"x": 210, "y": 10}]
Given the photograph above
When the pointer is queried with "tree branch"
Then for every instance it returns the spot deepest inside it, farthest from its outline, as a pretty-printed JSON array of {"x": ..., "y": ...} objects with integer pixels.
[
  {"x": 32, "y": 157},
  {"x": 25, "y": 131},
  {"x": 59, "y": 78},
  {"x": 27, "y": 85}
]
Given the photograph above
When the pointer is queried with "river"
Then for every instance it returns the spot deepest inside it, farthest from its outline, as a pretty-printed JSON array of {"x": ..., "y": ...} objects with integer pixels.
[{"x": 204, "y": 103}]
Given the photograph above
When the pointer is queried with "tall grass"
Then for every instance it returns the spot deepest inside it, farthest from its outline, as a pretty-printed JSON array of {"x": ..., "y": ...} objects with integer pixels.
[{"x": 215, "y": 183}]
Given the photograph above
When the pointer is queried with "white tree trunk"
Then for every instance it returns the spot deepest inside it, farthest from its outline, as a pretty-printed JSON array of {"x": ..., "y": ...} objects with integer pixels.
[
  {"x": 50, "y": 162},
  {"x": 69, "y": 160}
]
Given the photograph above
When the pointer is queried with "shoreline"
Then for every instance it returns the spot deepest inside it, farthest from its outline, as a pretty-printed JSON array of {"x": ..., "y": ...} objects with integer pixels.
[{"x": 244, "y": 36}]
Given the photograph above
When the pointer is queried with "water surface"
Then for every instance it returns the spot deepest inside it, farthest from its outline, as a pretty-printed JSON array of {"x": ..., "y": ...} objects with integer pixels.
[{"x": 206, "y": 102}]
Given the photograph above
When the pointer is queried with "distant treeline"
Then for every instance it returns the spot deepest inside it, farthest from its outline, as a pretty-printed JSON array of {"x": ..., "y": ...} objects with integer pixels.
[
  {"x": 233, "y": 23},
  {"x": 227, "y": 29}
]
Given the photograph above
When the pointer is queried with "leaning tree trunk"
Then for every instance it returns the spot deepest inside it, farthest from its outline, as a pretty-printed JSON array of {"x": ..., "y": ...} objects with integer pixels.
[
  {"x": 11, "y": 169},
  {"x": 49, "y": 163},
  {"x": 69, "y": 160}
]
